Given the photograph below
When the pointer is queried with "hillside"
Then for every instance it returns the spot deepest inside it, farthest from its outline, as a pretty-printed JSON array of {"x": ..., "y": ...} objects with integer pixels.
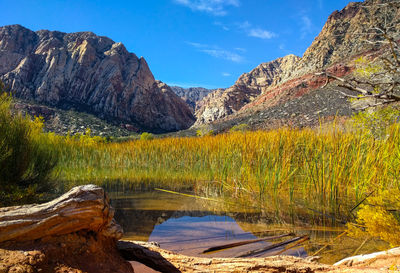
[
  {"x": 287, "y": 80},
  {"x": 91, "y": 74}
]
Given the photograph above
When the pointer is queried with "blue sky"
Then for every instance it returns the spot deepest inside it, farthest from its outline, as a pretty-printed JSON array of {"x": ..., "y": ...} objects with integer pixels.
[{"x": 207, "y": 43}]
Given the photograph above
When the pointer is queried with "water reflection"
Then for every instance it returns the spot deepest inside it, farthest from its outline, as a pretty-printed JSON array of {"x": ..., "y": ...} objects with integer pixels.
[{"x": 188, "y": 225}]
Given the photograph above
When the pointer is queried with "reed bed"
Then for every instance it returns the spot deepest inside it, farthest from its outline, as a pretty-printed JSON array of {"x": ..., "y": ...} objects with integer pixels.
[{"x": 332, "y": 171}]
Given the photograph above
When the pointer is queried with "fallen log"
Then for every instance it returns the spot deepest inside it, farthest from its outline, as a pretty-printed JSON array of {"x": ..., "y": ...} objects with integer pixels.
[{"x": 82, "y": 208}]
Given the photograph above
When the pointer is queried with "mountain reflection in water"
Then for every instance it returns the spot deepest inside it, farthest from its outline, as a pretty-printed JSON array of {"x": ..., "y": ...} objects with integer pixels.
[
  {"x": 189, "y": 226},
  {"x": 192, "y": 235},
  {"x": 186, "y": 225}
]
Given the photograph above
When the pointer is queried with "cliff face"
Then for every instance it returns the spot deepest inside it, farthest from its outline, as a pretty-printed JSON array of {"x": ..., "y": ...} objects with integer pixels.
[
  {"x": 90, "y": 73},
  {"x": 191, "y": 95},
  {"x": 341, "y": 39},
  {"x": 222, "y": 103}
]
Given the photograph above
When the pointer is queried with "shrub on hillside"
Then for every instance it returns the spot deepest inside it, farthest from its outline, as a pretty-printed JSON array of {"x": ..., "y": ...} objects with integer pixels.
[
  {"x": 26, "y": 158},
  {"x": 240, "y": 128},
  {"x": 376, "y": 122},
  {"x": 146, "y": 136}
]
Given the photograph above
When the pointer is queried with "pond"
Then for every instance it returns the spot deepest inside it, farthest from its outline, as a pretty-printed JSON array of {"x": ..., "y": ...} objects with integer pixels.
[{"x": 190, "y": 225}]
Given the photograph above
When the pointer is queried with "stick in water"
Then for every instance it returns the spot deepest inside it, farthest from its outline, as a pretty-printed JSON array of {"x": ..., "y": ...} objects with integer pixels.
[
  {"x": 259, "y": 251},
  {"x": 222, "y": 247}
]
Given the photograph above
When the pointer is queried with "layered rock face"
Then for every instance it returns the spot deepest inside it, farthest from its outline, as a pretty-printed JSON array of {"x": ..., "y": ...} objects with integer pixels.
[
  {"x": 90, "y": 73},
  {"x": 222, "y": 103},
  {"x": 341, "y": 40},
  {"x": 191, "y": 95}
]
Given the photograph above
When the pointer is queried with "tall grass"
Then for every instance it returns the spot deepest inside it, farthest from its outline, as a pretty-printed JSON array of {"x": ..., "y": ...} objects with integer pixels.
[{"x": 334, "y": 170}]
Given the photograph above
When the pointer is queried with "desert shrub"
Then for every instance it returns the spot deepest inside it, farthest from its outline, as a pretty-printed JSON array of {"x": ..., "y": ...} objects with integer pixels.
[
  {"x": 26, "y": 157},
  {"x": 376, "y": 122},
  {"x": 146, "y": 136},
  {"x": 205, "y": 131},
  {"x": 379, "y": 218},
  {"x": 240, "y": 128}
]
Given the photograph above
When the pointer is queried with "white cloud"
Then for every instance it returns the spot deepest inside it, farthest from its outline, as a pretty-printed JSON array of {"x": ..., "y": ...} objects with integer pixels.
[
  {"x": 197, "y": 45},
  {"x": 261, "y": 33},
  {"x": 214, "y": 7},
  {"x": 240, "y": 49},
  {"x": 256, "y": 31},
  {"x": 223, "y": 26},
  {"x": 307, "y": 26},
  {"x": 226, "y": 74},
  {"x": 217, "y": 52},
  {"x": 224, "y": 54}
]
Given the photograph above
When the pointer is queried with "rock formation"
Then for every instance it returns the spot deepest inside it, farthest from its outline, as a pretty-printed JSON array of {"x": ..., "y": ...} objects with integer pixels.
[
  {"x": 73, "y": 233},
  {"x": 222, "y": 103},
  {"x": 89, "y": 73},
  {"x": 341, "y": 40},
  {"x": 191, "y": 95}
]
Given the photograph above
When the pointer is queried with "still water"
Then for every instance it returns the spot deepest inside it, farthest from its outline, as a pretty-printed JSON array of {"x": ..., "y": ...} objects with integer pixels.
[{"x": 189, "y": 226}]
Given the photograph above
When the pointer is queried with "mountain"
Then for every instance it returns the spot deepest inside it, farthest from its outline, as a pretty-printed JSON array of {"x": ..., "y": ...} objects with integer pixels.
[
  {"x": 274, "y": 85},
  {"x": 249, "y": 86},
  {"x": 90, "y": 73},
  {"x": 191, "y": 95}
]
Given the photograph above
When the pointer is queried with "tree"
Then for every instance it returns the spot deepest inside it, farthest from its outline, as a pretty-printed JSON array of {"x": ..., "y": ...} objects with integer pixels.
[{"x": 379, "y": 81}]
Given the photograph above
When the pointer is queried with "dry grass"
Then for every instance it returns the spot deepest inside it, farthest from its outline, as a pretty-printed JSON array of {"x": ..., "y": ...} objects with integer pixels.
[{"x": 332, "y": 171}]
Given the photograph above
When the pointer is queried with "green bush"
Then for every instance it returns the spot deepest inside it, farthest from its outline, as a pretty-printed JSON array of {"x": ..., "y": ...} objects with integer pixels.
[
  {"x": 240, "y": 128},
  {"x": 26, "y": 156},
  {"x": 205, "y": 131},
  {"x": 146, "y": 136},
  {"x": 376, "y": 122}
]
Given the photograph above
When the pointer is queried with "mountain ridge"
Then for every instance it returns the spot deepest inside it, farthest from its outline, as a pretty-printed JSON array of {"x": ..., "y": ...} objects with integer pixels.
[
  {"x": 90, "y": 73},
  {"x": 333, "y": 49}
]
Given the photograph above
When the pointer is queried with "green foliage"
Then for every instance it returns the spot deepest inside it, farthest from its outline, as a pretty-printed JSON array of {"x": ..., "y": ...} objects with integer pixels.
[
  {"x": 377, "y": 122},
  {"x": 205, "y": 131},
  {"x": 26, "y": 157},
  {"x": 240, "y": 128},
  {"x": 366, "y": 69},
  {"x": 146, "y": 136}
]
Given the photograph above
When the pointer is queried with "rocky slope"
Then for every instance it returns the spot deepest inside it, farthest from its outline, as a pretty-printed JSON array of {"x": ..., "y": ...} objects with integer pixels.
[
  {"x": 341, "y": 40},
  {"x": 191, "y": 95},
  {"x": 89, "y": 73},
  {"x": 222, "y": 103}
]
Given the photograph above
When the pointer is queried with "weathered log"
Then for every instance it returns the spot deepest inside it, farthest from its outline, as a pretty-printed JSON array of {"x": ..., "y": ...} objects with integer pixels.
[
  {"x": 366, "y": 258},
  {"x": 168, "y": 261},
  {"x": 82, "y": 208}
]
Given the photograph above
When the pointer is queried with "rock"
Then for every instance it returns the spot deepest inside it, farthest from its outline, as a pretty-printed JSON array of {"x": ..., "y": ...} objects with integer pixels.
[
  {"x": 90, "y": 73},
  {"x": 191, "y": 95},
  {"x": 290, "y": 77},
  {"x": 222, "y": 103},
  {"x": 82, "y": 208}
]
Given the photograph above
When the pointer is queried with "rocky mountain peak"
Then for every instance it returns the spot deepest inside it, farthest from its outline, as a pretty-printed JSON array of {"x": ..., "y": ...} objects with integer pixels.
[
  {"x": 342, "y": 38},
  {"x": 88, "y": 72}
]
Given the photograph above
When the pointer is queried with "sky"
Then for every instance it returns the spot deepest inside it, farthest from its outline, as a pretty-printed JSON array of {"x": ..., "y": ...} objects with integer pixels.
[{"x": 189, "y": 43}]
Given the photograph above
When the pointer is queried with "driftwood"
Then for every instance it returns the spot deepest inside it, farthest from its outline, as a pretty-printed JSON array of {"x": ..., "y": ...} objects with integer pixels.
[
  {"x": 222, "y": 247},
  {"x": 365, "y": 258},
  {"x": 270, "y": 247},
  {"x": 82, "y": 208}
]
